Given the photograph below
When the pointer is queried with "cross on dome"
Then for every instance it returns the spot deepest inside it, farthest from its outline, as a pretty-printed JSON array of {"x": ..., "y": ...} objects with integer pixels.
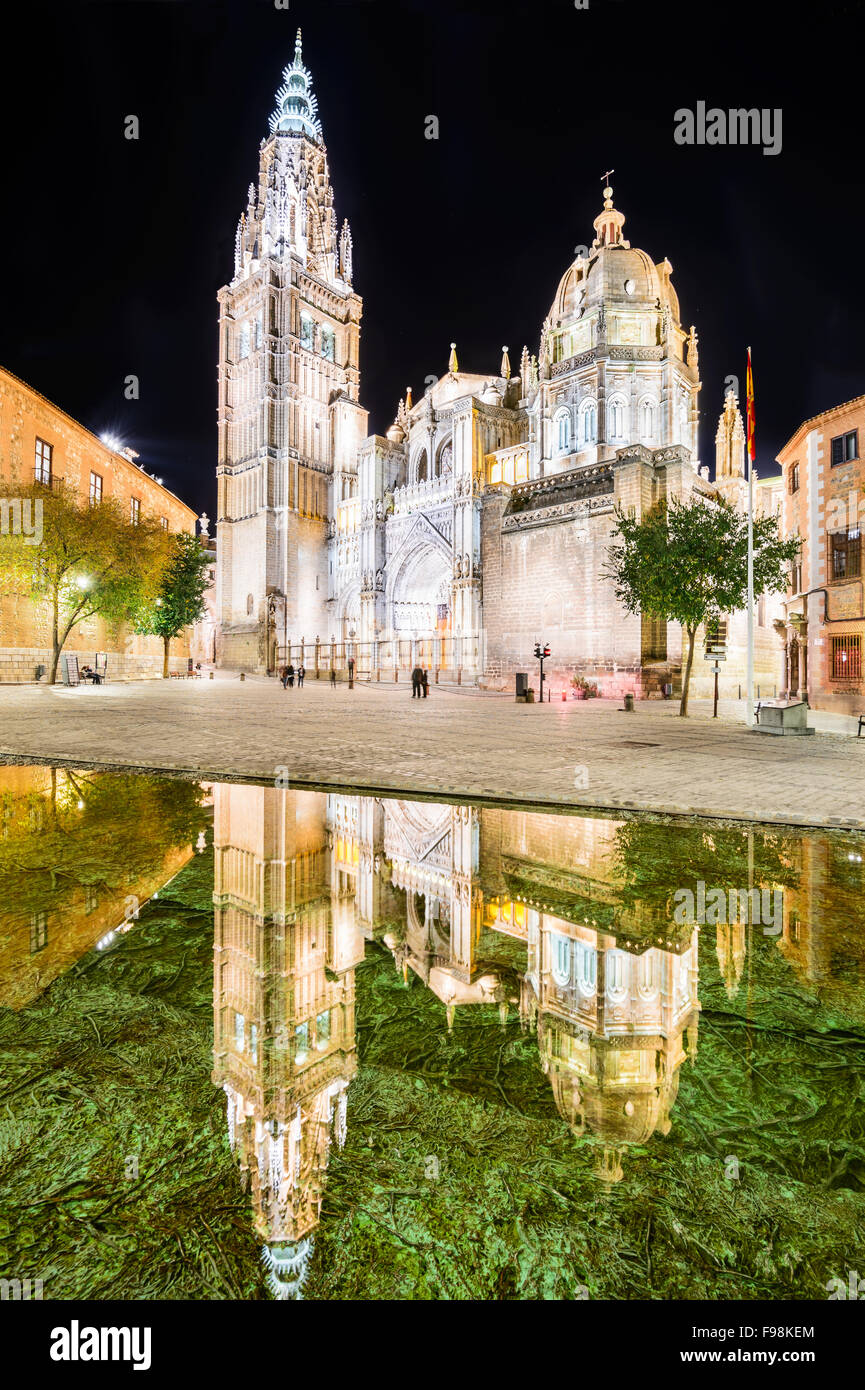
[{"x": 296, "y": 103}]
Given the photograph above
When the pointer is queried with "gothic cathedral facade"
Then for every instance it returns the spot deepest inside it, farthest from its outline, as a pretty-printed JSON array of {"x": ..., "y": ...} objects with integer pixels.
[{"x": 479, "y": 523}]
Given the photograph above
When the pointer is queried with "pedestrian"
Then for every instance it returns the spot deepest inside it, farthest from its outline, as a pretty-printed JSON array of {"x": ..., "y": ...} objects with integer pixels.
[
  {"x": 425, "y": 683},
  {"x": 301, "y": 672},
  {"x": 289, "y": 675},
  {"x": 333, "y": 675},
  {"x": 416, "y": 682},
  {"x": 282, "y": 676},
  {"x": 351, "y": 673}
]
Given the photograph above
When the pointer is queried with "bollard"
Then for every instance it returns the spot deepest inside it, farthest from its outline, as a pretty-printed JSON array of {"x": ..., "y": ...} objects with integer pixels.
[
  {"x": 243, "y": 675},
  {"x": 211, "y": 675},
  {"x": 629, "y": 702}
]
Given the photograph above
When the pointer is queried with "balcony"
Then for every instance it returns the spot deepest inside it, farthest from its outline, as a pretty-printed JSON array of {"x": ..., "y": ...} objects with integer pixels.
[{"x": 50, "y": 481}]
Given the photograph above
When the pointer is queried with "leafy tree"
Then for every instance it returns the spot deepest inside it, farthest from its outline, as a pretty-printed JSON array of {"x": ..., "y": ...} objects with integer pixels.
[
  {"x": 180, "y": 600},
  {"x": 687, "y": 562},
  {"x": 82, "y": 561}
]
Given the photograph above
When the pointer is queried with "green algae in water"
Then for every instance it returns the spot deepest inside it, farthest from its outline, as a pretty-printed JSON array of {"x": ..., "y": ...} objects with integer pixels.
[{"x": 362, "y": 1049}]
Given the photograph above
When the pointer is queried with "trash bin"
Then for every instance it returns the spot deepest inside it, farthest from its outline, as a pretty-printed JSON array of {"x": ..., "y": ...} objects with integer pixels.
[
  {"x": 629, "y": 702},
  {"x": 530, "y": 696}
]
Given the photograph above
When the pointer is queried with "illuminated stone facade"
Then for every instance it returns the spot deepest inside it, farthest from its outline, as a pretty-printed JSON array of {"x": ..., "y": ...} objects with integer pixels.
[{"x": 480, "y": 522}]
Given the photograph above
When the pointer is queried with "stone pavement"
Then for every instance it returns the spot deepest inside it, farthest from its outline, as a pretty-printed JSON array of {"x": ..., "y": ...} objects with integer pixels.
[{"x": 456, "y": 744}]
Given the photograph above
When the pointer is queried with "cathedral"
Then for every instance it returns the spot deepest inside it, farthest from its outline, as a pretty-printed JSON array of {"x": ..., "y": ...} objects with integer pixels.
[{"x": 479, "y": 522}]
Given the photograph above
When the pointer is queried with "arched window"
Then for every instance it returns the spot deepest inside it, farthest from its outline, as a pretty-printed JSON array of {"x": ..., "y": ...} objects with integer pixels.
[
  {"x": 306, "y": 331},
  {"x": 588, "y": 421},
  {"x": 444, "y": 460},
  {"x": 327, "y": 344},
  {"x": 587, "y": 968},
  {"x": 648, "y": 419},
  {"x": 683, "y": 416},
  {"x": 421, "y": 467},
  {"x": 560, "y": 964},
  {"x": 243, "y": 344},
  {"x": 617, "y": 418},
  {"x": 617, "y": 975},
  {"x": 562, "y": 436},
  {"x": 647, "y": 975}
]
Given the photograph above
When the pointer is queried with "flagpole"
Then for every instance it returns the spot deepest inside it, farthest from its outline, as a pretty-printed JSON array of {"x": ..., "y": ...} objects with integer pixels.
[{"x": 750, "y": 672}]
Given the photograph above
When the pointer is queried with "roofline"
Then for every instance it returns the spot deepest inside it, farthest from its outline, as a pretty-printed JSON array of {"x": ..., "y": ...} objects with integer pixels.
[{"x": 824, "y": 415}]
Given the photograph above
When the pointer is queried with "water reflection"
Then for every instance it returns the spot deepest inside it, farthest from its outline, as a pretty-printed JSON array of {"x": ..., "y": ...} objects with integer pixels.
[{"x": 565, "y": 925}]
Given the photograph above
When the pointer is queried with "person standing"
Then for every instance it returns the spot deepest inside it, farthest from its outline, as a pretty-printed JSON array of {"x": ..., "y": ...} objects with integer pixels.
[
  {"x": 282, "y": 676},
  {"x": 333, "y": 675},
  {"x": 425, "y": 683},
  {"x": 415, "y": 683},
  {"x": 289, "y": 675},
  {"x": 351, "y": 673},
  {"x": 301, "y": 672}
]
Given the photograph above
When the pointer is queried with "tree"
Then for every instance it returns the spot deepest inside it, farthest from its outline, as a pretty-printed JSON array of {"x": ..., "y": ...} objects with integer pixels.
[
  {"x": 687, "y": 562},
  {"x": 180, "y": 600},
  {"x": 82, "y": 561}
]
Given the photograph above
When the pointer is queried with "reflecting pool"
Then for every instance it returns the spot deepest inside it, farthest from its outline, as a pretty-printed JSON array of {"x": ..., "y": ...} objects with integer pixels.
[{"x": 262, "y": 1043}]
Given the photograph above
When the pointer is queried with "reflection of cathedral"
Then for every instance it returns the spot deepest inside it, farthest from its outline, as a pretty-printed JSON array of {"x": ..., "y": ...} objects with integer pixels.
[{"x": 480, "y": 521}]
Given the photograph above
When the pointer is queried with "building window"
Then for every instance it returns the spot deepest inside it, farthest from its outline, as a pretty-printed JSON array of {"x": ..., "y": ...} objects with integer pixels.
[
  {"x": 616, "y": 963},
  {"x": 563, "y": 432},
  {"x": 163, "y": 522},
  {"x": 239, "y": 1032},
  {"x": 846, "y": 547},
  {"x": 847, "y": 658},
  {"x": 794, "y": 478},
  {"x": 796, "y": 577},
  {"x": 616, "y": 417},
  {"x": 589, "y": 416},
  {"x": 561, "y": 958},
  {"x": 135, "y": 510},
  {"x": 327, "y": 344},
  {"x": 648, "y": 416},
  {"x": 95, "y": 489},
  {"x": 845, "y": 447},
  {"x": 38, "y": 931},
  {"x": 306, "y": 331},
  {"x": 42, "y": 469}
]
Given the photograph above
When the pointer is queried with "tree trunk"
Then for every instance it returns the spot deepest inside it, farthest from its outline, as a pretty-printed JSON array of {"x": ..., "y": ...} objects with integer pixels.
[
  {"x": 165, "y": 642},
  {"x": 686, "y": 680},
  {"x": 55, "y": 641}
]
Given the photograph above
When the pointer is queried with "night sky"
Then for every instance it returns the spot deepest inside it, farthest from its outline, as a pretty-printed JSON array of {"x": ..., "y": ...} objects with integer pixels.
[{"x": 113, "y": 250}]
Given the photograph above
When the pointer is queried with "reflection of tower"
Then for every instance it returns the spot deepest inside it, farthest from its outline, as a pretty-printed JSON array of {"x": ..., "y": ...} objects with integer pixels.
[
  {"x": 284, "y": 1044},
  {"x": 611, "y": 1029},
  {"x": 732, "y": 948}
]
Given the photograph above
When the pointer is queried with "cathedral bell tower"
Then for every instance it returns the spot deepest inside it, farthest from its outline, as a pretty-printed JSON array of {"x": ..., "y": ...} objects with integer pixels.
[{"x": 288, "y": 415}]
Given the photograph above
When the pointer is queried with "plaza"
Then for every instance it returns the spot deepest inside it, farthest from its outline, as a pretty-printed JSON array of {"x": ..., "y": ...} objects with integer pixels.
[{"x": 458, "y": 743}]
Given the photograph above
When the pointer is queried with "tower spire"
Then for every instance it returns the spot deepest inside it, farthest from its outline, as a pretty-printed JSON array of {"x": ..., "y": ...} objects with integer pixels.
[{"x": 296, "y": 103}]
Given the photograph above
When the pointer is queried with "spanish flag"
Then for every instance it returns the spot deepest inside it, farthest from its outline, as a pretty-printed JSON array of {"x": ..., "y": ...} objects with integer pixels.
[{"x": 752, "y": 448}]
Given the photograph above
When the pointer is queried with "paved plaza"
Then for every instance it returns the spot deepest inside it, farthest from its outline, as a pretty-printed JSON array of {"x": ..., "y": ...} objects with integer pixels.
[{"x": 458, "y": 743}]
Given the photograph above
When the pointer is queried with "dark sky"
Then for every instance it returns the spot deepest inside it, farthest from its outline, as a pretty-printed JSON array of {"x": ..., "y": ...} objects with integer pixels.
[{"x": 113, "y": 250}]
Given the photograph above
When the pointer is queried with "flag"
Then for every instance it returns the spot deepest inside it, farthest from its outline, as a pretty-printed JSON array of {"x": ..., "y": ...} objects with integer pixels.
[{"x": 752, "y": 448}]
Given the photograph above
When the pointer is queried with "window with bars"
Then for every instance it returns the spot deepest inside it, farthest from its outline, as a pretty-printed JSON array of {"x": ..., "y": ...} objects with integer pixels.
[
  {"x": 847, "y": 657},
  {"x": 95, "y": 489},
  {"x": 845, "y": 447},
  {"x": 845, "y": 549},
  {"x": 42, "y": 469},
  {"x": 135, "y": 510}
]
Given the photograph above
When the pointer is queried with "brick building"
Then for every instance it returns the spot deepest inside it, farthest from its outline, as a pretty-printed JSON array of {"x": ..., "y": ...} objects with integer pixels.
[
  {"x": 40, "y": 443},
  {"x": 823, "y": 629}
]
